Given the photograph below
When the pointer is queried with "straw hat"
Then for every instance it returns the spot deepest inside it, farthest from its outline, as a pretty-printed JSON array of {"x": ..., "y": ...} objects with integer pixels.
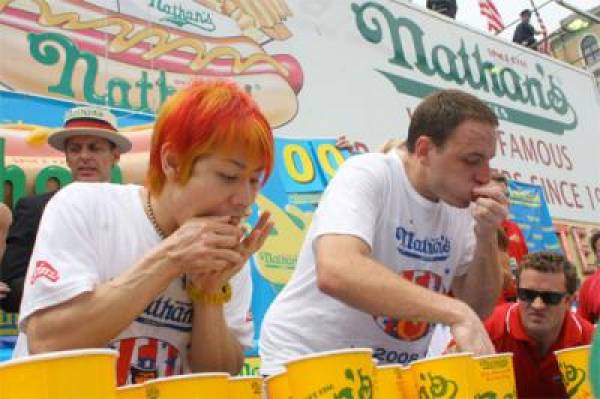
[{"x": 89, "y": 121}]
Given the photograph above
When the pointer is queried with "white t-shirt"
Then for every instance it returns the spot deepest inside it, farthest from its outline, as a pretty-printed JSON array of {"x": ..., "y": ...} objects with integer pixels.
[
  {"x": 426, "y": 242},
  {"x": 93, "y": 232},
  {"x": 440, "y": 339}
]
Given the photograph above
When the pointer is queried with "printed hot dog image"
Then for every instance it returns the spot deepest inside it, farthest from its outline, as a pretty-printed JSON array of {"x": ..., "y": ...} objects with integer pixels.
[{"x": 84, "y": 52}]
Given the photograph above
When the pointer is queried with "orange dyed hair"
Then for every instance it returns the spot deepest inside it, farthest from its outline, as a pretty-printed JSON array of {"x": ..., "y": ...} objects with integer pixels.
[{"x": 209, "y": 117}]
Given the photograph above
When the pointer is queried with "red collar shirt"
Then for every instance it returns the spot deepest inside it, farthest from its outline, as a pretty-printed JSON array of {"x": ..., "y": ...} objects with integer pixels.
[
  {"x": 589, "y": 298},
  {"x": 536, "y": 376},
  {"x": 517, "y": 246}
]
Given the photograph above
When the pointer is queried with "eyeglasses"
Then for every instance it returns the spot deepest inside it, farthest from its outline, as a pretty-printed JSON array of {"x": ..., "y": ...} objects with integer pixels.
[{"x": 549, "y": 297}]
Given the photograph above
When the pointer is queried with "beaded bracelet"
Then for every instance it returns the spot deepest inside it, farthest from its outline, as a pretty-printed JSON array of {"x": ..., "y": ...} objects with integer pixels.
[{"x": 216, "y": 298}]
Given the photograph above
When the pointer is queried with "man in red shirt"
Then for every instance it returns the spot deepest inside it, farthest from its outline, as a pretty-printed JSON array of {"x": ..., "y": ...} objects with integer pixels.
[
  {"x": 515, "y": 246},
  {"x": 539, "y": 324},
  {"x": 589, "y": 294}
]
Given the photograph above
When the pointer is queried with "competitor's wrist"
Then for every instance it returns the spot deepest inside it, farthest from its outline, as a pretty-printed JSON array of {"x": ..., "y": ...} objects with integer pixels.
[
  {"x": 204, "y": 297},
  {"x": 458, "y": 313},
  {"x": 159, "y": 261}
]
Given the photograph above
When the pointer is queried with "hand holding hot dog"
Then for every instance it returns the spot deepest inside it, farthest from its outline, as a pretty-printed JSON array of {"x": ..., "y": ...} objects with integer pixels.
[{"x": 216, "y": 278}]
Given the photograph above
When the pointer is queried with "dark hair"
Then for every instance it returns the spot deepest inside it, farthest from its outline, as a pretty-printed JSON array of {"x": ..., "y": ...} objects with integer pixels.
[
  {"x": 594, "y": 240},
  {"x": 550, "y": 262},
  {"x": 526, "y": 12},
  {"x": 502, "y": 240},
  {"x": 440, "y": 113}
]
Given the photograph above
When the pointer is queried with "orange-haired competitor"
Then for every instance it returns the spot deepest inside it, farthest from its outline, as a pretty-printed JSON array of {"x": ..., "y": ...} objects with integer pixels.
[{"x": 157, "y": 272}]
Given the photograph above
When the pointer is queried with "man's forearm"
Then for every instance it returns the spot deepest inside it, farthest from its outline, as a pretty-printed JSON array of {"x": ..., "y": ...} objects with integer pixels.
[
  {"x": 371, "y": 287},
  {"x": 480, "y": 287},
  {"x": 214, "y": 347},
  {"x": 93, "y": 319}
]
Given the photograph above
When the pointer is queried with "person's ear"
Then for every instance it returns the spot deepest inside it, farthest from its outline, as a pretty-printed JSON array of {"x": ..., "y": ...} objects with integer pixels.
[
  {"x": 423, "y": 147},
  {"x": 169, "y": 162}
]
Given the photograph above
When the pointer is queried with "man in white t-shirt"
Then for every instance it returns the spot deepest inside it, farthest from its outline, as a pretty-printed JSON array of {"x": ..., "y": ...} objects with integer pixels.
[
  {"x": 393, "y": 234},
  {"x": 157, "y": 272}
]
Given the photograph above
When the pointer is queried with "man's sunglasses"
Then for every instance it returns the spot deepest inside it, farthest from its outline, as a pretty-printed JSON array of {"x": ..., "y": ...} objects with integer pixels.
[{"x": 549, "y": 297}]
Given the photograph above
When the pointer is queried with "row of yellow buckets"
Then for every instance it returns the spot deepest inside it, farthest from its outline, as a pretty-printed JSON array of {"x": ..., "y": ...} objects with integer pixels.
[{"x": 343, "y": 374}]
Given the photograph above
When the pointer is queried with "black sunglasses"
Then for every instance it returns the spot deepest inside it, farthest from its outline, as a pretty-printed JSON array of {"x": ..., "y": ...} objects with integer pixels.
[{"x": 549, "y": 297}]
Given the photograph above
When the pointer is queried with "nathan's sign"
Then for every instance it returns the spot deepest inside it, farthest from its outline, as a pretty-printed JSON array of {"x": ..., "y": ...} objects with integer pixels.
[
  {"x": 464, "y": 66},
  {"x": 90, "y": 51},
  {"x": 316, "y": 69},
  {"x": 180, "y": 16}
]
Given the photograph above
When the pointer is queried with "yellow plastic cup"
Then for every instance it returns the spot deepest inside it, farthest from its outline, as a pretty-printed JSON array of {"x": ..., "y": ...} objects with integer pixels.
[
  {"x": 137, "y": 391},
  {"x": 494, "y": 375},
  {"x": 245, "y": 387},
  {"x": 189, "y": 386},
  {"x": 408, "y": 383},
  {"x": 388, "y": 382},
  {"x": 574, "y": 368},
  {"x": 345, "y": 373},
  {"x": 444, "y": 376},
  {"x": 76, "y": 374},
  {"x": 277, "y": 386}
]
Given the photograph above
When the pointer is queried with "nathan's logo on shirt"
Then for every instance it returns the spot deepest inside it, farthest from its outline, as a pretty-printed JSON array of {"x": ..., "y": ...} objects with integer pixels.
[
  {"x": 144, "y": 358},
  {"x": 434, "y": 249},
  {"x": 44, "y": 269},
  {"x": 406, "y": 330},
  {"x": 168, "y": 312}
]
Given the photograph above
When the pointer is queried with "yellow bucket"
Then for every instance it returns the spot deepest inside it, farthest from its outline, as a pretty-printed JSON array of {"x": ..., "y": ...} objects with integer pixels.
[
  {"x": 76, "y": 374},
  {"x": 345, "y": 373},
  {"x": 444, "y": 376},
  {"x": 388, "y": 382},
  {"x": 137, "y": 391},
  {"x": 277, "y": 386},
  {"x": 574, "y": 368},
  {"x": 494, "y": 375},
  {"x": 189, "y": 386},
  {"x": 408, "y": 383},
  {"x": 246, "y": 387}
]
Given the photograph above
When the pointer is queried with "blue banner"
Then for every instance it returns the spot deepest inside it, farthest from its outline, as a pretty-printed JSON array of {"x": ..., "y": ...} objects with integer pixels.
[
  {"x": 25, "y": 108},
  {"x": 528, "y": 208}
]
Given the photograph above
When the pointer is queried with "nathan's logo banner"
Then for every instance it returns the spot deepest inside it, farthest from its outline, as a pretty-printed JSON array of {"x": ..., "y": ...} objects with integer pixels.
[
  {"x": 529, "y": 210},
  {"x": 317, "y": 68},
  {"x": 464, "y": 66},
  {"x": 135, "y": 54}
]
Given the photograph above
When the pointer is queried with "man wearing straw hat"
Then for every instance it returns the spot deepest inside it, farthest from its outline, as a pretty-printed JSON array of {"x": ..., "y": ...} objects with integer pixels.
[
  {"x": 157, "y": 272},
  {"x": 539, "y": 324},
  {"x": 392, "y": 234},
  {"x": 92, "y": 146}
]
